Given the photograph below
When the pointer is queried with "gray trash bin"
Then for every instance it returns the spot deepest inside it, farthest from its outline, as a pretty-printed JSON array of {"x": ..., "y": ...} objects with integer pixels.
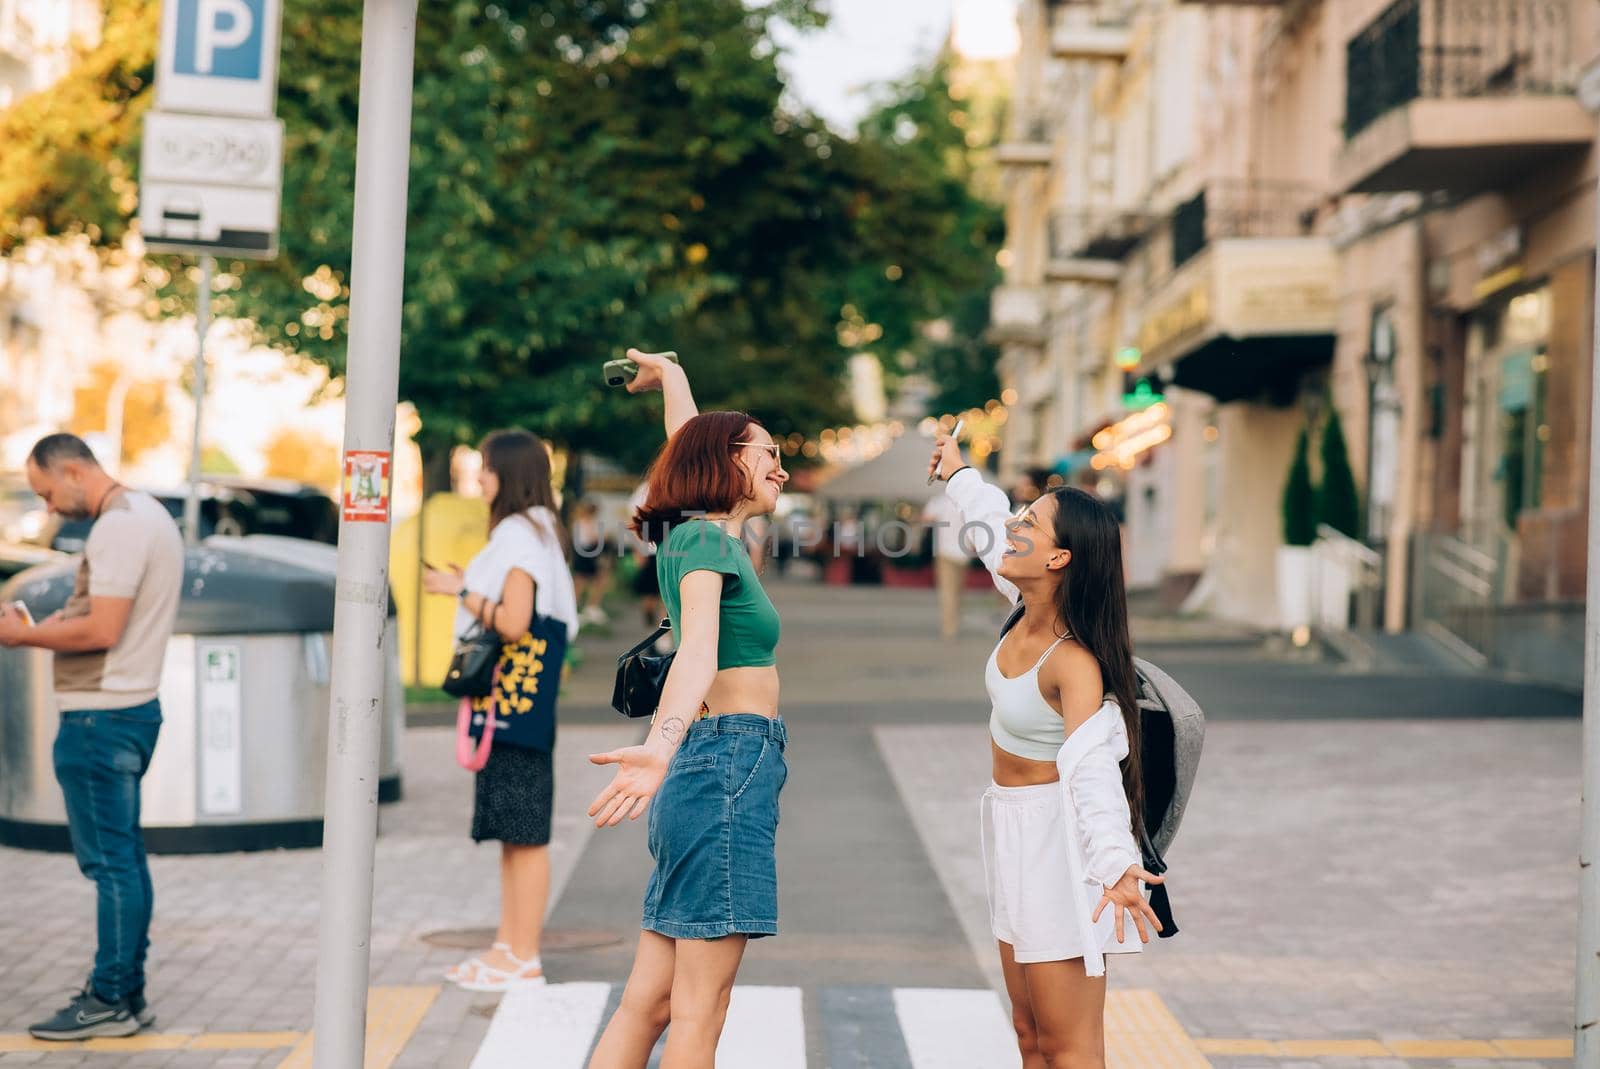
[{"x": 244, "y": 701}]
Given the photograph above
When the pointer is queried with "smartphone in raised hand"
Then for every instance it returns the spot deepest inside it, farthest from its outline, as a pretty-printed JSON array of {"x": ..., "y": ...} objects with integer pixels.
[{"x": 621, "y": 372}]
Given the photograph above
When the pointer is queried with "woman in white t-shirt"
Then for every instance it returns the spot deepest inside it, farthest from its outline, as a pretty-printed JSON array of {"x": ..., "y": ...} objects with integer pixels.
[{"x": 522, "y": 571}]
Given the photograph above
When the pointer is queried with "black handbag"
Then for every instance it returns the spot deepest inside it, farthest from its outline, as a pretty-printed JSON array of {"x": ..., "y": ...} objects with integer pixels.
[
  {"x": 471, "y": 673},
  {"x": 641, "y": 675}
]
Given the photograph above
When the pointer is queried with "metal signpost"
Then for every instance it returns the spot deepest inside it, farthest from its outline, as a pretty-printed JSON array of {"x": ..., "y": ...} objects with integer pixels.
[
  {"x": 350, "y": 825},
  {"x": 1586, "y": 1017},
  {"x": 211, "y": 171}
]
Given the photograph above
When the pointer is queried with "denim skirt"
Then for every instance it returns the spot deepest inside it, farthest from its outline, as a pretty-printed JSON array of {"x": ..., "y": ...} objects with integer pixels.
[{"x": 713, "y": 831}]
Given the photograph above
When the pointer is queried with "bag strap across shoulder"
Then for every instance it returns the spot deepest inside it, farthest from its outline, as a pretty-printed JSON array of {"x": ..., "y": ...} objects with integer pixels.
[{"x": 666, "y": 625}]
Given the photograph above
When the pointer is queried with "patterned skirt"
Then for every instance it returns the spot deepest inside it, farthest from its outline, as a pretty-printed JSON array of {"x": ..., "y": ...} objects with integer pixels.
[{"x": 514, "y": 797}]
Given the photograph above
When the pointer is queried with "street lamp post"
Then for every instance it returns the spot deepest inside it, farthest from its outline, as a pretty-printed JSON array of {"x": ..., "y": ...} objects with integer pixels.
[{"x": 350, "y": 828}]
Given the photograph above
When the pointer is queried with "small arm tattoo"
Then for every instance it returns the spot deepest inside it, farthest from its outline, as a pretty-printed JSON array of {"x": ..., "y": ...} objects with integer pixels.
[{"x": 673, "y": 730}]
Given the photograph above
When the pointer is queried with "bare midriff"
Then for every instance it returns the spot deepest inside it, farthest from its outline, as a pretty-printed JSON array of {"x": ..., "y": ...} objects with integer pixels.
[
  {"x": 744, "y": 690},
  {"x": 1013, "y": 771}
]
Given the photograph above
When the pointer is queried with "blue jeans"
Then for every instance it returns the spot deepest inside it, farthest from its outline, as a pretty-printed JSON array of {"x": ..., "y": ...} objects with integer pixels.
[{"x": 100, "y": 757}]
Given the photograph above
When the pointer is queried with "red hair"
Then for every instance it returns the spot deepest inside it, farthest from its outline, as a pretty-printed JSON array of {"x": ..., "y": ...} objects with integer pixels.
[{"x": 695, "y": 474}]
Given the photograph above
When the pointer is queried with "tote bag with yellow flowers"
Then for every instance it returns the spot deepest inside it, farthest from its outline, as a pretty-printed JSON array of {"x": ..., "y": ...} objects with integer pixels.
[{"x": 520, "y": 709}]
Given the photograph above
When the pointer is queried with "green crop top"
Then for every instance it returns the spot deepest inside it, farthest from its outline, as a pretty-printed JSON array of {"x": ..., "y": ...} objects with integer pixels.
[{"x": 747, "y": 628}]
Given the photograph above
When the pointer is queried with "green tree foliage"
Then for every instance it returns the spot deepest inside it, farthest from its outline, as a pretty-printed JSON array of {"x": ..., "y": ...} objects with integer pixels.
[
  {"x": 1299, "y": 497},
  {"x": 1337, "y": 503},
  {"x": 583, "y": 177}
]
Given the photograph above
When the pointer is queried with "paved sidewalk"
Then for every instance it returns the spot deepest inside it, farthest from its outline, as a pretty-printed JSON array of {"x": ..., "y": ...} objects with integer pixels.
[{"x": 1352, "y": 892}]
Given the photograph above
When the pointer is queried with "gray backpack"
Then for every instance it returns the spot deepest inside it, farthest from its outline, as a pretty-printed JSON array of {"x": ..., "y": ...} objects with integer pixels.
[{"x": 1172, "y": 730}]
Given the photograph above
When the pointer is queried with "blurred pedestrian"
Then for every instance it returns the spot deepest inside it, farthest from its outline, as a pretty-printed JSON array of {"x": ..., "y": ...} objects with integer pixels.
[
  {"x": 950, "y": 559},
  {"x": 646, "y": 584},
  {"x": 110, "y": 642},
  {"x": 521, "y": 573},
  {"x": 712, "y": 766},
  {"x": 1066, "y": 802},
  {"x": 591, "y": 563}
]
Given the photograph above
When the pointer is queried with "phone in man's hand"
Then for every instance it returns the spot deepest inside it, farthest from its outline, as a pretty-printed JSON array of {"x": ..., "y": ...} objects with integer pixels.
[{"x": 621, "y": 372}]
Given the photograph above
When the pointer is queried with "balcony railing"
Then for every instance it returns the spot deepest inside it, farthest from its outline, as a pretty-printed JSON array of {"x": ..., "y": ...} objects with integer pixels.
[
  {"x": 1103, "y": 235},
  {"x": 1030, "y": 143},
  {"x": 1017, "y": 315},
  {"x": 1238, "y": 208},
  {"x": 1455, "y": 49}
]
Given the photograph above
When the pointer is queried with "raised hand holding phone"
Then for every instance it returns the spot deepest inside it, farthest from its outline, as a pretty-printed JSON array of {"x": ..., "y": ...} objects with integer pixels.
[
  {"x": 946, "y": 449},
  {"x": 639, "y": 371}
]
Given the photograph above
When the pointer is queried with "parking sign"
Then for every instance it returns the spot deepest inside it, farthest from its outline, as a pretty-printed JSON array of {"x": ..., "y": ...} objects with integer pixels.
[{"x": 219, "y": 57}]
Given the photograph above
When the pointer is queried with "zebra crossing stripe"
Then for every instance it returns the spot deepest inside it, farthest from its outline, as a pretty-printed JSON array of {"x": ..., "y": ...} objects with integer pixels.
[
  {"x": 551, "y": 1027},
  {"x": 951, "y": 1028},
  {"x": 766, "y": 1027},
  {"x": 556, "y": 1027}
]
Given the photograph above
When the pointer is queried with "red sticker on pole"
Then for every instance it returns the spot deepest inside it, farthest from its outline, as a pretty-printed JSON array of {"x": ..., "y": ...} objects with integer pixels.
[{"x": 366, "y": 487}]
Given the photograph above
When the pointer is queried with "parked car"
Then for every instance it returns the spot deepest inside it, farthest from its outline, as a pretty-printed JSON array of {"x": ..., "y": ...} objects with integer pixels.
[{"x": 231, "y": 506}]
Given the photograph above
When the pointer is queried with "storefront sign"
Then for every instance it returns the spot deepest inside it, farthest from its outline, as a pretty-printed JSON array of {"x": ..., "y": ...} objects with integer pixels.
[
  {"x": 1175, "y": 320},
  {"x": 1244, "y": 289}
]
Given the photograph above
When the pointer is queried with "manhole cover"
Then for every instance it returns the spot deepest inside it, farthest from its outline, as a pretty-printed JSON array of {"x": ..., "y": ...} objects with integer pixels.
[{"x": 555, "y": 939}]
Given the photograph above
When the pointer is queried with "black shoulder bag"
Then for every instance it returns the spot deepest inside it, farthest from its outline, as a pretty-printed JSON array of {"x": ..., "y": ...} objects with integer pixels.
[
  {"x": 471, "y": 672},
  {"x": 640, "y": 676}
]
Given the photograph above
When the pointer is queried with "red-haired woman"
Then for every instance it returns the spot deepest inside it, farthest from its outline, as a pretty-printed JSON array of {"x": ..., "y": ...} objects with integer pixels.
[{"x": 713, "y": 760}]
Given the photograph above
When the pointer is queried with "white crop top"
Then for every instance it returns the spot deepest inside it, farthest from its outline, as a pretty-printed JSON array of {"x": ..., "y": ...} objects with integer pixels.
[{"x": 1022, "y": 722}]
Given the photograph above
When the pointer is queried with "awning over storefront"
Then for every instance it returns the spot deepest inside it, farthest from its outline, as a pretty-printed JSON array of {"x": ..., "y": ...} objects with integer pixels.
[
  {"x": 1245, "y": 318},
  {"x": 899, "y": 473}
]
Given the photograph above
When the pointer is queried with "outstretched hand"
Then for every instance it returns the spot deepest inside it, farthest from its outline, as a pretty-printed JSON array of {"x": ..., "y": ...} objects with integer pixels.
[
  {"x": 640, "y": 771},
  {"x": 1124, "y": 895},
  {"x": 653, "y": 369}
]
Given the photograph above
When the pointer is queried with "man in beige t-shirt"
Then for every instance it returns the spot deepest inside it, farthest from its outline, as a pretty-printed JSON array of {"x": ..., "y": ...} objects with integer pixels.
[{"x": 110, "y": 643}]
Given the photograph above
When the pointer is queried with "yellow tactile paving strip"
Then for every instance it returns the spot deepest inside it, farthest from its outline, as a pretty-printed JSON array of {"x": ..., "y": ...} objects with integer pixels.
[
  {"x": 393, "y": 1014},
  {"x": 11, "y": 1043},
  {"x": 1413, "y": 1049},
  {"x": 1141, "y": 1033}
]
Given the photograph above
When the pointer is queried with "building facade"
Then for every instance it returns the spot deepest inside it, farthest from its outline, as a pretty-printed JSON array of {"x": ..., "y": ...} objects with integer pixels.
[{"x": 1258, "y": 211}]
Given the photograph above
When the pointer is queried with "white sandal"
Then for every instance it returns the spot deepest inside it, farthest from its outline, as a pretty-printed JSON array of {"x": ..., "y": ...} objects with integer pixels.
[
  {"x": 485, "y": 977},
  {"x": 466, "y": 970}
]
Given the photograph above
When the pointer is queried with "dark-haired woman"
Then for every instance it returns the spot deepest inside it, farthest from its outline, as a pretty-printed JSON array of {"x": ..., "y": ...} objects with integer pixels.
[
  {"x": 1059, "y": 822},
  {"x": 711, "y": 767},
  {"x": 522, "y": 571}
]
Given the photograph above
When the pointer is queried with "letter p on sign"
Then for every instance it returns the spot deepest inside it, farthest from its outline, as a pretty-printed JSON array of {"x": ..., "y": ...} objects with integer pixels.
[{"x": 220, "y": 38}]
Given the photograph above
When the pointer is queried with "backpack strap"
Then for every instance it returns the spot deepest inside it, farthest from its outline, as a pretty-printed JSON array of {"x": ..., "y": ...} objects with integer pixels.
[{"x": 1160, "y": 903}]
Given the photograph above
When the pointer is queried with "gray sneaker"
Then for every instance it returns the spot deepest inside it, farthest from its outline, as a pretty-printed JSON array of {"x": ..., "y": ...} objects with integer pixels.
[
  {"x": 86, "y": 1017},
  {"x": 141, "y": 1009}
]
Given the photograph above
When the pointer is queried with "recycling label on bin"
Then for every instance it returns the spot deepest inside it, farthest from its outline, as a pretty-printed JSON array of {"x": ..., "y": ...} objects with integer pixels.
[
  {"x": 221, "y": 723},
  {"x": 366, "y": 487}
]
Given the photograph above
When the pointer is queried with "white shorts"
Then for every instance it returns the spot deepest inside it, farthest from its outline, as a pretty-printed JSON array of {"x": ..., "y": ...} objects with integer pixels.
[{"x": 1029, "y": 878}]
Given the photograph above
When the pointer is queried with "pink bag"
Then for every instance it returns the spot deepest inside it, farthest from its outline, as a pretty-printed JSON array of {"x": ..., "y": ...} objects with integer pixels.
[{"x": 471, "y": 755}]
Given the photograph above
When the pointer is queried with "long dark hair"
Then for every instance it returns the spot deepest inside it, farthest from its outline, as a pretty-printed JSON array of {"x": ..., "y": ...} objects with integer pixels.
[
  {"x": 695, "y": 474},
  {"x": 521, "y": 461},
  {"x": 1092, "y": 600}
]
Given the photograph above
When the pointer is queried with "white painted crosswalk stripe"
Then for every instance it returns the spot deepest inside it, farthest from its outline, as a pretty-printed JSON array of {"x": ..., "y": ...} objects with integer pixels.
[
  {"x": 766, "y": 1027},
  {"x": 948, "y": 1028},
  {"x": 555, "y": 1027},
  {"x": 551, "y": 1027}
]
